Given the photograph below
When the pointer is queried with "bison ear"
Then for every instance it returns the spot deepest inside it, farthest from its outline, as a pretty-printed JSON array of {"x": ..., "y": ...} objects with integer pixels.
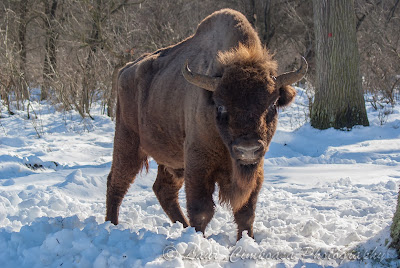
[{"x": 286, "y": 95}]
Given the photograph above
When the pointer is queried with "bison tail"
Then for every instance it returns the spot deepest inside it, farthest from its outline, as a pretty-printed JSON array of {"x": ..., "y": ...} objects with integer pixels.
[{"x": 145, "y": 165}]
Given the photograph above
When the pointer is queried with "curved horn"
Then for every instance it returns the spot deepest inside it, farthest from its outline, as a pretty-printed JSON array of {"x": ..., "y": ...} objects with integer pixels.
[
  {"x": 292, "y": 77},
  {"x": 204, "y": 81}
]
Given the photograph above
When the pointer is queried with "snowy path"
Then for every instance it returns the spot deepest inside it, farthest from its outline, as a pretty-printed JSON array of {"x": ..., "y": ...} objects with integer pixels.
[{"x": 328, "y": 200}]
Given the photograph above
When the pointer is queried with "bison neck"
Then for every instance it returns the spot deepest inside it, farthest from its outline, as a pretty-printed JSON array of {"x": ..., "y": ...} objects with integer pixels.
[{"x": 236, "y": 190}]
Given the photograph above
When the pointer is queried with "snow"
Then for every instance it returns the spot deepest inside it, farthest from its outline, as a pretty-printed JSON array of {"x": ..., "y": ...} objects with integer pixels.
[{"x": 328, "y": 199}]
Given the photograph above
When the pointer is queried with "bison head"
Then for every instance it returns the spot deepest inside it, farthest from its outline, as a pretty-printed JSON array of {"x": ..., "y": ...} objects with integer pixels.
[{"x": 247, "y": 97}]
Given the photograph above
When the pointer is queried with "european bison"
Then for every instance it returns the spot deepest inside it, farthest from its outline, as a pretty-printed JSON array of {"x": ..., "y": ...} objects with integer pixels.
[{"x": 209, "y": 124}]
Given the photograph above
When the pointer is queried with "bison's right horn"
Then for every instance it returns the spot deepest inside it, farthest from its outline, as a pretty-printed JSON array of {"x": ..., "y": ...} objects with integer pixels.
[
  {"x": 292, "y": 77},
  {"x": 204, "y": 81}
]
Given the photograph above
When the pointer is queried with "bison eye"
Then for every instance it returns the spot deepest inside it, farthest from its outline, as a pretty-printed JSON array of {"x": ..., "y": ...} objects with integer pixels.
[
  {"x": 273, "y": 107},
  {"x": 221, "y": 109},
  {"x": 272, "y": 111},
  {"x": 222, "y": 113}
]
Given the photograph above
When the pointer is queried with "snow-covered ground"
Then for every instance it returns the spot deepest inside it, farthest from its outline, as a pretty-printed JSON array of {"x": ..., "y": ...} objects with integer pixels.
[{"x": 328, "y": 199}]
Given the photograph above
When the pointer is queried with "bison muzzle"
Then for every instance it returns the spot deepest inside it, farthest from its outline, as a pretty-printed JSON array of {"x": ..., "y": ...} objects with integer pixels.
[{"x": 205, "y": 110}]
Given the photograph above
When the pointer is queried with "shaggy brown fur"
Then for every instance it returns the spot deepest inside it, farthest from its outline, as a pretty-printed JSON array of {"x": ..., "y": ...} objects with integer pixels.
[
  {"x": 251, "y": 55},
  {"x": 199, "y": 137}
]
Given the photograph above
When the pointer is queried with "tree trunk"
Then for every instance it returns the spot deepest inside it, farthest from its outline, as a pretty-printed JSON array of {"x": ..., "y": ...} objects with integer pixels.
[
  {"x": 88, "y": 81},
  {"x": 50, "y": 59},
  {"x": 113, "y": 92},
  {"x": 339, "y": 100},
  {"x": 22, "y": 92},
  {"x": 395, "y": 228},
  {"x": 95, "y": 40},
  {"x": 269, "y": 29},
  {"x": 251, "y": 12}
]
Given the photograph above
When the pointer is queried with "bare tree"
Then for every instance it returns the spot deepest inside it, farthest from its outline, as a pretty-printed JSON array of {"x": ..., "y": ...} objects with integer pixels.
[
  {"x": 8, "y": 66},
  {"x": 379, "y": 40},
  {"x": 51, "y": 36},
  {"x": 13, "y": 53},
  {"x": 23, "y": 21}
]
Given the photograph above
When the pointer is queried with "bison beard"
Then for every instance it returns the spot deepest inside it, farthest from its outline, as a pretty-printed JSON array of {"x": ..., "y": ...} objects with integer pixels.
[{"x": 243, "y": 182}]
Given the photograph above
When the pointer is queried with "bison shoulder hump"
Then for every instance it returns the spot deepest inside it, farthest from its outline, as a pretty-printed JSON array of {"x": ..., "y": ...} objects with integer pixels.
[{"x": 223, "y": 19}]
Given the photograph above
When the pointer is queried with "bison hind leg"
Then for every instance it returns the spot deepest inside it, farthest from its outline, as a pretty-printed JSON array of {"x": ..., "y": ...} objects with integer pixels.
[
  {"x": 166, "y": 187},
  {"x": 128, "y": 160}
]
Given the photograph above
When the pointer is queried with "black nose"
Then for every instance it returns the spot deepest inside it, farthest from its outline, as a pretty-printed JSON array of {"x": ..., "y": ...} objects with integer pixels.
[{"x": 248, "y": 151}]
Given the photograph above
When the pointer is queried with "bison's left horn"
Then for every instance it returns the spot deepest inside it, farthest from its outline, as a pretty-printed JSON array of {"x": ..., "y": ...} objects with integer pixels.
[
  {"x": 292, "y": 77},
  {"x": 204, "y": 81}
]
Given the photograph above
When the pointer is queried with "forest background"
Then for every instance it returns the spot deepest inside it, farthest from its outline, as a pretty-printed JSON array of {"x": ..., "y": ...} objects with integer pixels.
[{"x": 73, "y": 49}]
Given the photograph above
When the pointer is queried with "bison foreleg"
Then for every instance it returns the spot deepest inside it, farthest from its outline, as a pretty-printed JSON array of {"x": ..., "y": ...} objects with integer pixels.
[
  {"x": 166, "y": 187},
  {"x": 200, "y": 204},
  {"x": 244, "y": 217}
]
